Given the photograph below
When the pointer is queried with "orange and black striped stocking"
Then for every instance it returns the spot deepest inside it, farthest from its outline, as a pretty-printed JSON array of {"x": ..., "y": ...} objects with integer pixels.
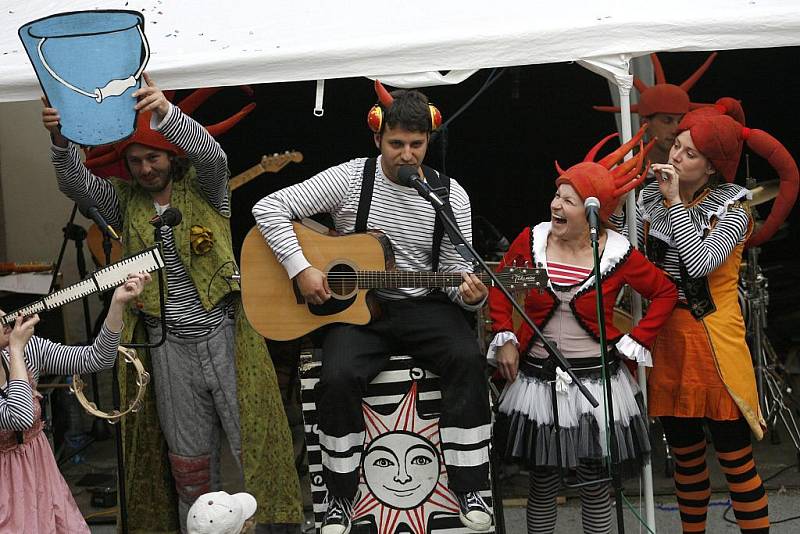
[
  {"x": 692, "y": 486},
  {"x": 735, "y": 454}
]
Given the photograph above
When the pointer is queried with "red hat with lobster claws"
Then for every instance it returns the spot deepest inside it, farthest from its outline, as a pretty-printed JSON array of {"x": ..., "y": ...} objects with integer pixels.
[
  {"x": 720, "y": 137},
  {"x": 599, "y": 180},
  {"x": 107, "y": 160},
  {"x": 663, "y": 97}
]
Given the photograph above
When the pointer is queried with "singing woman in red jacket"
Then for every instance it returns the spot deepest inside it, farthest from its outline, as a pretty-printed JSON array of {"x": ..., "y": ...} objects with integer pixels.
[{"x": 566, "y": 313}]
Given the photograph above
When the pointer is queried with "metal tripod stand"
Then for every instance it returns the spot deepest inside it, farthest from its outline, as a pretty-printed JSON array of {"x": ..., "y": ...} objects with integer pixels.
[{"x": 774, "y": 394}]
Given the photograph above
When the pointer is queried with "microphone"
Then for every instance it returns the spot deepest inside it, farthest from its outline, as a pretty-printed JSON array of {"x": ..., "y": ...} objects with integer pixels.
[
  {"x": 170, "y": 217},
  {"x": 592, "y": 207},
  {"x": 89, "y": 210},
  {"x": 407, "y": 175}
]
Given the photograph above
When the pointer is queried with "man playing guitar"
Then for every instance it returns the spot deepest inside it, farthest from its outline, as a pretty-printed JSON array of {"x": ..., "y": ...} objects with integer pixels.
[{"x": 364, "y": 194}]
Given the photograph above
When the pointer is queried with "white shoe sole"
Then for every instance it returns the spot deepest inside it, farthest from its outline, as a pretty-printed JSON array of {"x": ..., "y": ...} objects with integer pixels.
[
  {"x": 335, "y": 529},
  {"x": 472, "y": 525}
]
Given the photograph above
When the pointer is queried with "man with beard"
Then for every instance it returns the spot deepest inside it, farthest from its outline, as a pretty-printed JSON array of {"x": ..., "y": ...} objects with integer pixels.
[{"x": 213, "y": 372}]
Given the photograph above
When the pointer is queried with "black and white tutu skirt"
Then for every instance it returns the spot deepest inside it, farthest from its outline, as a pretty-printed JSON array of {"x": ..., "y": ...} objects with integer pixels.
[{"x": 526, "y": 413}]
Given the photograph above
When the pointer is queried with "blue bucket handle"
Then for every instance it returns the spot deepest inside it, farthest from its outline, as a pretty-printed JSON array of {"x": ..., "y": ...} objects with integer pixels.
[{"x": 112, "y": 88}]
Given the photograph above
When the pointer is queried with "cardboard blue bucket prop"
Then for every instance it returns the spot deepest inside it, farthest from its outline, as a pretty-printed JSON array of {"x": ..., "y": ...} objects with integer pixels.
[{"x": 89, "y": 63}]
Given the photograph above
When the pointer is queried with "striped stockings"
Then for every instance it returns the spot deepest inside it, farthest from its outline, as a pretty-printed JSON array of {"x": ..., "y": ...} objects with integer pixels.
[
  {"x": 595, "y": 502},
  {"x": 735, "y": 454}
]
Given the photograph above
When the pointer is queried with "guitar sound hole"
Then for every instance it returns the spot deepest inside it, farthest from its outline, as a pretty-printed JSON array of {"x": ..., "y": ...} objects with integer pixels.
[{"x": 342, "y": 280}]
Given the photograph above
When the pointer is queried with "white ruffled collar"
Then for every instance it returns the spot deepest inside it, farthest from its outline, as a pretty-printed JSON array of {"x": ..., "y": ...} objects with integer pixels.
[
  {"x": 711, "y": 205},
  {"x": 617, "y": 249}
]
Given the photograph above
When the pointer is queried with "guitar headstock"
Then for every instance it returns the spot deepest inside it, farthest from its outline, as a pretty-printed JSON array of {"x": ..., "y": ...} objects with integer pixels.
[
  {"x": 276, "y": 162},
  {"x": 523, "y": 278}
]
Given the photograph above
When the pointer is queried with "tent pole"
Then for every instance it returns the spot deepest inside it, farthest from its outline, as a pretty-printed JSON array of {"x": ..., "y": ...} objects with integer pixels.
[{"x": 636, "y": 303}]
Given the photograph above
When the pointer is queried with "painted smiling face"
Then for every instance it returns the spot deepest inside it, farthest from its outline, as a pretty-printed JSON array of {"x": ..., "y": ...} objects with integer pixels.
[{"x": 401, "y": 469}]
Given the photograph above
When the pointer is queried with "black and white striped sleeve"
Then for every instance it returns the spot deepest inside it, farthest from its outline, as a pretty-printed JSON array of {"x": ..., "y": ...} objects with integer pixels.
[
  {"x": 80, "y": 185},
  {"x": 16, "y": 408},
  {"x": 322, "y": 193},
  {"x": 55, "y": 358},
  {"x": 203, "y": 151},
  {"x": 449, "y": 258},
  {"x": 620, "y": 223},
  {"x": 702, "y": 256}
]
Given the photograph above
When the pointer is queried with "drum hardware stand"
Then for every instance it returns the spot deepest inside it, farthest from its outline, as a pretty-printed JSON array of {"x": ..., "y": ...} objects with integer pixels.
[
  {"x": 770, "y": 374},
  {"x": 74, "y": 232}
]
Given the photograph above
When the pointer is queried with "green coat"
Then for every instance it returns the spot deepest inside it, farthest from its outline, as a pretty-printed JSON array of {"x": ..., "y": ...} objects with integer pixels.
[{"x": 267, "y": 454}]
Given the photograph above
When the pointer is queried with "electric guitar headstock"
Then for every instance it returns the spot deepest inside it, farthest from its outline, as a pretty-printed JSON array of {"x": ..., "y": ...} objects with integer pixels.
[{"x": 276, "y": 162}]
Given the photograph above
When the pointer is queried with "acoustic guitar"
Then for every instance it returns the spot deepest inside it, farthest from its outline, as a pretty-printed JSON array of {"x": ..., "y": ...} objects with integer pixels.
[
  {"x": 273, "y": 163},
  {"x": 354, "y": 264}
]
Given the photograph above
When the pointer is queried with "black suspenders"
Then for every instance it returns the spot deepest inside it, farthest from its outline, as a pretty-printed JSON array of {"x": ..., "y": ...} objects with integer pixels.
[{"x": 436, "y": 180}]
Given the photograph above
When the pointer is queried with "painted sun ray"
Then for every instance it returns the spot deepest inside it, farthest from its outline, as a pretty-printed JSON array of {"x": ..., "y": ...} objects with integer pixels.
[
  {"x": 373, "y": 420},
  {"x": 407, "y": 409}
]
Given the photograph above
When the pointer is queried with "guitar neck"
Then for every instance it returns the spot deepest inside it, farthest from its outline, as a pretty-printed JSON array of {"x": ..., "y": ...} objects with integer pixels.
[
  {"x": 407, "y": 279},
  {"x": 240, "y": 179}
]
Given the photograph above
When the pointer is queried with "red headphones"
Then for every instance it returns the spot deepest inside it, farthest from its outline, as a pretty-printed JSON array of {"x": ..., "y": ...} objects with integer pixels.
[{"x": 385, "y": 100}]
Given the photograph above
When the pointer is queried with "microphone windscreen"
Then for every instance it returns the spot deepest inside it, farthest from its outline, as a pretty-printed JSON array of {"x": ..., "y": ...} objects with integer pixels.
[
  {"x": 405, "y": 174},
  {"x": 591, "y": 202},
  {"x": 171, "y": 217}
]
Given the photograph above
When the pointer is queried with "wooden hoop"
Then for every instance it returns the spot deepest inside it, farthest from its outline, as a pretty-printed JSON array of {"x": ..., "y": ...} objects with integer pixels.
[{"x": 142, "y": 379}]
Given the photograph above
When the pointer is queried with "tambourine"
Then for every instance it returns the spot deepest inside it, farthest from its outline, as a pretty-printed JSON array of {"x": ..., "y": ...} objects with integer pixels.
[{"x": 142, "y": 379}]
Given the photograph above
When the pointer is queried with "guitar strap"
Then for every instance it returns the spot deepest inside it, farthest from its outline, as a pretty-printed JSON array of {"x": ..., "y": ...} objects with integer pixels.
[{"x": 440, "y": 183}]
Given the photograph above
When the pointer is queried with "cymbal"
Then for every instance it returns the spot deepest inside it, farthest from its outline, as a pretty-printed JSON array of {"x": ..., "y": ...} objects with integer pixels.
[{"x": 764, "y": 192}]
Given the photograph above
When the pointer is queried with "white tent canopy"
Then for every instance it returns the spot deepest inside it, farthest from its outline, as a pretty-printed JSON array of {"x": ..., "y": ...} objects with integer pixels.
[{"x": 208, "y": 43}]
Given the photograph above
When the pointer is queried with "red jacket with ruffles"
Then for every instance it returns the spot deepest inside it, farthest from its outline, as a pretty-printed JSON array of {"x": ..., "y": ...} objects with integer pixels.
[{"x": 620, "y": 264}]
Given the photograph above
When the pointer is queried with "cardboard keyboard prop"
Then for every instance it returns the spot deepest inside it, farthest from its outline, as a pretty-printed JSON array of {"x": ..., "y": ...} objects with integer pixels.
[
  {"x": 149, "y": 260},
  {"x": 401, "y": 412}
]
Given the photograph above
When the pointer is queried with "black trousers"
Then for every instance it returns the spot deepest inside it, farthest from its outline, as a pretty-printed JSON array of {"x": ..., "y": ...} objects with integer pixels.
[{"x": 435, "y": 332}]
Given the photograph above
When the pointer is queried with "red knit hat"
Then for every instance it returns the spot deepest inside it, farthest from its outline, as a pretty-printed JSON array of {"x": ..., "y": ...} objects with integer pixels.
[
  {"x": 108, "y": 160},
  {"x": 663, "y": 97},
  {"x": 590, "y": 179},
  {"x": 720, "y": 138}
]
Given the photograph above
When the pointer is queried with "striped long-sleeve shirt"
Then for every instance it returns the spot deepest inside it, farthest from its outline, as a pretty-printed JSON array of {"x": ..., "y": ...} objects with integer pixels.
[
  {"x": 406, "y": 218},
  {"x": 185, "y": 314},
  {"x": 46, "y": 357},
  {"x": 688, "y": 231}
]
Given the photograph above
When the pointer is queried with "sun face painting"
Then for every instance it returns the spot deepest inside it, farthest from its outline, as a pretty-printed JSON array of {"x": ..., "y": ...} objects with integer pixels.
[
  {"x": 401, "y": 469},
  {"x": 403, "y": 484}
]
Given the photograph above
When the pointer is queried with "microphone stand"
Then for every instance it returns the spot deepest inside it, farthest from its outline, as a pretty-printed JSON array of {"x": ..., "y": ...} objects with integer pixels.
[
  {"x": 616, "y": 478},
  {"x": 77, "y": 233},
  {"x": 121, "y": 495}
]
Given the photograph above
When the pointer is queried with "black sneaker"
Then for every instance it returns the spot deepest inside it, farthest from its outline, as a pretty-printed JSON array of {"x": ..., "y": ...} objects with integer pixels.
[
  {"x": 338, "y": 515},
  {"x": 473, "y": 511}
]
